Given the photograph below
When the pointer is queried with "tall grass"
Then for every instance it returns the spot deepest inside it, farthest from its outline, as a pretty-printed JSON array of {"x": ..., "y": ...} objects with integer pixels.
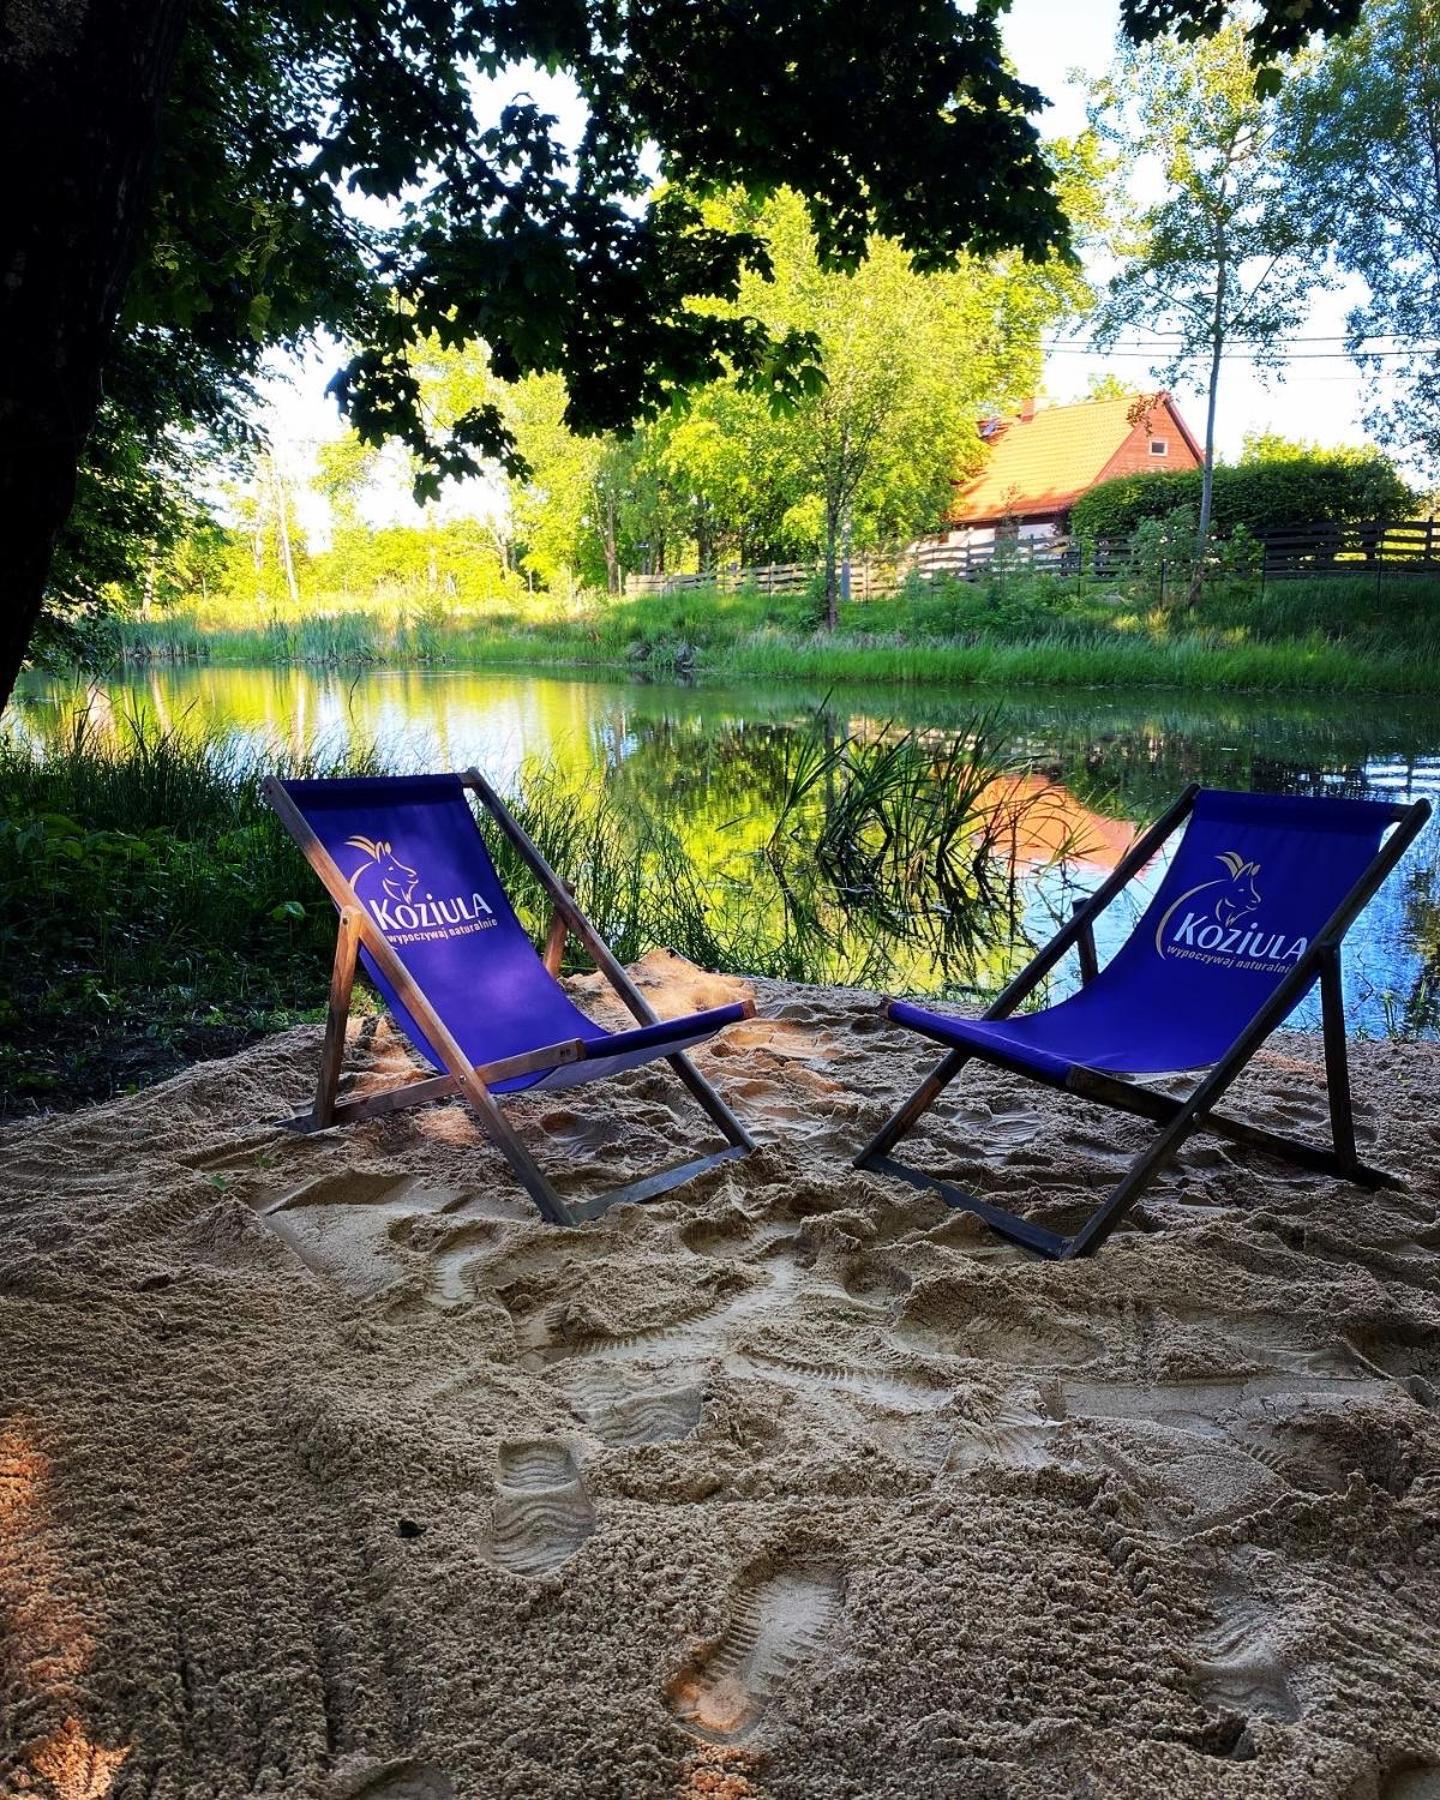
[
  {"x": 1343, "y": 635},
  {"x": 1199, "y": 661},
  {"x": 153, "y": 910}
]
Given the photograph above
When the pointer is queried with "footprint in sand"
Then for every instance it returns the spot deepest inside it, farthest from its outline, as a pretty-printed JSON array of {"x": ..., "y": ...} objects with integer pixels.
[
  {"x": 1198, "y": 1154},
  {"x": 874, "y": 1281},
  {"x": 694, "y": 1338},
  {"x": 626, "y": 1414},
  {"x": 1307, "y": 1112},
  {"x": 655, "y": 1416},
  {"x": 778, "y": 1622},
  {"x": 1240, "y": 1666},
  {"x": 1419, "y": 1783},
  {"x": 733, "y": 1235},
  {"x": 993, "y": 1130},
  {"x": 1017, "y": 1437},
  {"x": 456, "y": 1260},
  {"x": 542, "y": 1512},
  {"x": 893, "y": 1390},
  {"x": 407, "y": 1781},
  {"x": 366, "y": 1230}
]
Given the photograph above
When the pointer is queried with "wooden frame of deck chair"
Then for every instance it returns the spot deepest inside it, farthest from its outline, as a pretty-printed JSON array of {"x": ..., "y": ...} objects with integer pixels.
[
  {"x": 1169, "y": 956},
  {"x": 558, "y": 1059}
]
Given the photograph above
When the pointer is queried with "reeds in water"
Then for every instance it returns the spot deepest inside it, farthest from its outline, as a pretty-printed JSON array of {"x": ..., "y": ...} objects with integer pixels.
[{"x": 147, "y": 894}]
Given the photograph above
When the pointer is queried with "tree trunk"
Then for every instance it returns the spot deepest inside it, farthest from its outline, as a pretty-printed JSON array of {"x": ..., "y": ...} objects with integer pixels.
[
  {"x": 282, "y": 521},
  {"x": 704, "y": 542},
  {"x": 613, "y": 583},
  {"x": 81, "y": 90},
  {"x": 832, "y": 575},
  {"x": 1207, "y": 479}
]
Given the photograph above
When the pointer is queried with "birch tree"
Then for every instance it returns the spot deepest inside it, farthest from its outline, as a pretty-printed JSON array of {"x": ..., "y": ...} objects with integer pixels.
[{"x": 1229, "y": 254}]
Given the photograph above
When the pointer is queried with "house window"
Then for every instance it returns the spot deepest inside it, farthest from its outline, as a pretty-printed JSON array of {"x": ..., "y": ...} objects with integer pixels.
[{"x": 1159, "y": 446}]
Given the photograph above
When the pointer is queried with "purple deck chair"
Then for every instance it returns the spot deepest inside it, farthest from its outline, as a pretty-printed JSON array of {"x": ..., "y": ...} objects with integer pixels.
[
  {"x": 423, "y": 911},
  {"x": 1249, "y": 916}
]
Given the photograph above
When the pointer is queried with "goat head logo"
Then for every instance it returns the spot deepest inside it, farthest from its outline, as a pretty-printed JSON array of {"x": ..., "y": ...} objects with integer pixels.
[
  {"x": 1240, "y": 896},
  {"x": 397, "y": 879}
]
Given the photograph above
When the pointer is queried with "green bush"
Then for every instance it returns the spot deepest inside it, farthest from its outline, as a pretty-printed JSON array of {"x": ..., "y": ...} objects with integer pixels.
[{"x": 1303, "y": 490}]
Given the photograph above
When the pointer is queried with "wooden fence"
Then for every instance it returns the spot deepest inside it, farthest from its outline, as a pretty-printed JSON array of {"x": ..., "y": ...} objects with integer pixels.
[
  {"x": 765, "y": 578},
  {"x": 1375, "y": 547},
  {"x": 874, "y": 577},
  {"x": 1378, "y": 547}
]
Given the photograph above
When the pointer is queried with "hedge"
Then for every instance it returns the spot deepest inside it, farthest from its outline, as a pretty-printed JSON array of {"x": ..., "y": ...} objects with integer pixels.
[{"x": 1260, "y": 496}]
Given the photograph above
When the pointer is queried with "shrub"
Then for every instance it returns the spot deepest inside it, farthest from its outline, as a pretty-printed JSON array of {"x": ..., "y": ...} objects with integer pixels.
[
  {"x": 1339, "y": 485},
  {"x": 1165, "y": 547}
]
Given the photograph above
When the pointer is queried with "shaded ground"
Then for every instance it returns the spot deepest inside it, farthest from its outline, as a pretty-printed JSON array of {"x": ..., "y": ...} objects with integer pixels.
[{"x": 58, "y": 1058}]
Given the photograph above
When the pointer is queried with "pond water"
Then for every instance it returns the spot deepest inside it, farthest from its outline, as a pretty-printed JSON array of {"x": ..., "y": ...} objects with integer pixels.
[{"x": 712, "y": 760}]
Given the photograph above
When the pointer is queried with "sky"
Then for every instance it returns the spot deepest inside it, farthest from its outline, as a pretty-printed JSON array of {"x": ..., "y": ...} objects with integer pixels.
[{"x": 1055, "y": 45}]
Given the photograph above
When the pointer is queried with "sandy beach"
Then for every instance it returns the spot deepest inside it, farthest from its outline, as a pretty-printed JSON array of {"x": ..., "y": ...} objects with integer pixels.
[{"x": 327, "y": 1470}]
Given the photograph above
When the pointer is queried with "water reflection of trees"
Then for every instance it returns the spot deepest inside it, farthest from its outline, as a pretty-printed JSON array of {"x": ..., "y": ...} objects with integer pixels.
[
  {"x": 810, "y": 854},
  {"x": 1420, "y": 1007},
  {"x": 1115, "y": 763},
  {"x": 710, "y": 769},
  {"x": 1135, "y": 770}
]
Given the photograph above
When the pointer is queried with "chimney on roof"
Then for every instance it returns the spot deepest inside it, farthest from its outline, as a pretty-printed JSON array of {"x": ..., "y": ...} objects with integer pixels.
[{"x": 1027, "y": 409}]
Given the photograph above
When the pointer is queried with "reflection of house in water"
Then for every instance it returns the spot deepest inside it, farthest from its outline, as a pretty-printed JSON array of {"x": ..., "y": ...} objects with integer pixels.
[
  {"x": 1044, "y": 820},
  {"x": 1047, "y": 822}
]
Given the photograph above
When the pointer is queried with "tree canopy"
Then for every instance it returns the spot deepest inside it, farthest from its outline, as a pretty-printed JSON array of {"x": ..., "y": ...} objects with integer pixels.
[
  {"x": 903, "y": 120},
  {"x": 863, "y": 457},
  {"x": 235, "y": 176},
  {"x": 1273, "y": 27},
  {"x": 1366, "y": 139}
]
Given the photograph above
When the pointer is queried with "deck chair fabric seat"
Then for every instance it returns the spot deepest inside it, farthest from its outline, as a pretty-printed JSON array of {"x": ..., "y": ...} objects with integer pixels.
[
  {"x": 609, "y": 1052},
  {"x": 416, "y": 860},
  {"x": 1251, "y": 885},
  {"x": 408, "y": 868},
  {"x": 1248, "y": 917}
]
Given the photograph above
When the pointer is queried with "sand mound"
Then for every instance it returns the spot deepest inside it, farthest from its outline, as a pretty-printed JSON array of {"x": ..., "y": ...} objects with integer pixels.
[{"x": 327, "y": 1470}]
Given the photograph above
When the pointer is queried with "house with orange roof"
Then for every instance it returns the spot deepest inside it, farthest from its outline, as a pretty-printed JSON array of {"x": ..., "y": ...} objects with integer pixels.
[{"x": 1044, "y": 458}]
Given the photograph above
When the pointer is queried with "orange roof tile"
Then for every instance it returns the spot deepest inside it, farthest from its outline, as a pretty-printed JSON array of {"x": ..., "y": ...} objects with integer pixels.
[{"x": 1043, "y": 464}]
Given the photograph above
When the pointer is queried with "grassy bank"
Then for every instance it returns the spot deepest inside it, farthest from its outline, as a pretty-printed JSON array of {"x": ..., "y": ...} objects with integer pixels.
[
  {"x": 153, "y": 912},
  {"x": 1344, "y": 635}
]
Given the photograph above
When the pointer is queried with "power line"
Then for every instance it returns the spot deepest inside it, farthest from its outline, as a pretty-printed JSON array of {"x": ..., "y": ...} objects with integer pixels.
[
  {"x": 1336, "y": 337},
  {"x": 1157, "y": 353}
]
